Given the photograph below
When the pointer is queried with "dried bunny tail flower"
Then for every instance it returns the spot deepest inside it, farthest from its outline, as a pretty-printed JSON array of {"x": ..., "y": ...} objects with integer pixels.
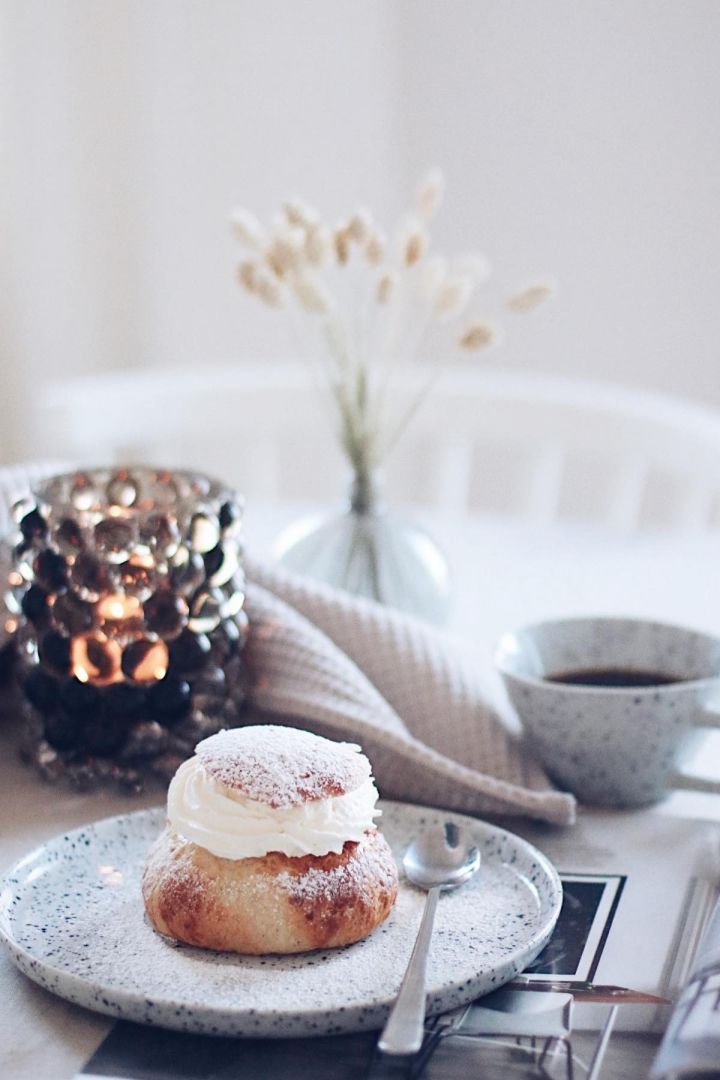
[
  {"x": 476, "y": 266},
  {"x": 430, "y": 194},
  {"x": 341, "y": 243},
  {"x": 274, "y": 262},
  {"x": 433, "y": 273},
  {"x": 453, "y": 296},
  {"x": 247, "y": 273},
  {"x": 360, "y": 225},
  {"x": 299, "y": 213},
  {"x": 375, "y": 248},
  {"x": 479, "y": 334},
  {"x": 268, "y": 290},
  {"x": 413, "y": 241},
  {"x": 386, "y": 286},
  {"x": 287, "y": 249},
  {"x": 312, "y": 295},
  {"x": 255, "y": 280},
  {"x": 531, "y": 297},
  {"x": 248, "y": 229},
  {"x": 318, "y": 244}
]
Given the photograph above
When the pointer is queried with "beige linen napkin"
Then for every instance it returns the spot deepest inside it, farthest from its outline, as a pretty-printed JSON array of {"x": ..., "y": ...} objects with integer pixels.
[{"x": 352, "y": 669}]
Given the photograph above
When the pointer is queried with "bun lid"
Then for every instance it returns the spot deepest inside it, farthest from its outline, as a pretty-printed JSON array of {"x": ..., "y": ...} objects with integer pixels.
[{"x": 282, "y": 766}]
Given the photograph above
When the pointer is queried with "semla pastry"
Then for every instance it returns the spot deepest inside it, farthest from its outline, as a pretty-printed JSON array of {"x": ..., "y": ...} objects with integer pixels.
[{"x": 270, "y": 846}]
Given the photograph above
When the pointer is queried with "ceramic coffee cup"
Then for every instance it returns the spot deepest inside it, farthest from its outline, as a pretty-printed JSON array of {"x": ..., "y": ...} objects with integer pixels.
[{"x": 614, "y": 707}]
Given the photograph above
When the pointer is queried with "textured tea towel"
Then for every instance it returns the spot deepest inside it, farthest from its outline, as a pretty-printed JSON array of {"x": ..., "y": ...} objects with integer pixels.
[{"x": 352, "y": 669}]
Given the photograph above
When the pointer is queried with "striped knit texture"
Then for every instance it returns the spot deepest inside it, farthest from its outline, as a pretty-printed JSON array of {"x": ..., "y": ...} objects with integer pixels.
[{"x": 352, "y": 669}]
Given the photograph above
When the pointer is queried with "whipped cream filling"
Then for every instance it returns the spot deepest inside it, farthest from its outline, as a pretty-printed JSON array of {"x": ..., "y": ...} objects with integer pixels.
[{"x": 231, "y": 826}]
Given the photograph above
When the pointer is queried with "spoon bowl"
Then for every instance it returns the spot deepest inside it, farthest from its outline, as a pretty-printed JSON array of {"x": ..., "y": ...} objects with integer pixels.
[{"x": 443, "y": 857}]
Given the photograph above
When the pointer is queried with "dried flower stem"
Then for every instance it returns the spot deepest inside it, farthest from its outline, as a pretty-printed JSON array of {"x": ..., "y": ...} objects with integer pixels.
[{"x": 367, "y": 306}]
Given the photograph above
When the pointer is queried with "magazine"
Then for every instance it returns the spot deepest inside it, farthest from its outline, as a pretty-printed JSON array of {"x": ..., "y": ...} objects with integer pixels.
[{"x": 639, "y": 890}]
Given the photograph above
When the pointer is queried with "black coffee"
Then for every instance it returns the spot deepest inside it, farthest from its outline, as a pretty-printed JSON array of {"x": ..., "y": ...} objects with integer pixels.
[{"x": 613, "y": 676}]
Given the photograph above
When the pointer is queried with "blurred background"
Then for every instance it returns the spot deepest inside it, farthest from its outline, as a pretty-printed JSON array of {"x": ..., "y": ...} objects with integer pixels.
[{"x": 578, "y": 140}]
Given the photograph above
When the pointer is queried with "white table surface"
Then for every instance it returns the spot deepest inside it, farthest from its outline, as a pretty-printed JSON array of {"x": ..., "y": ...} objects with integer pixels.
[{"x": 507, "y": 573}]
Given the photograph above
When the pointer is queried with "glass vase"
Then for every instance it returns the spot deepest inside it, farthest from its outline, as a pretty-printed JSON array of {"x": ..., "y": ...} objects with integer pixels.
[{"x": 372, "y": 552}]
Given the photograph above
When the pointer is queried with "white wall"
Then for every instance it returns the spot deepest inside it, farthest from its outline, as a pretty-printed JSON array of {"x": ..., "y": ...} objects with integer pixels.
[
  {"x": 578, "y": 138},
  {"x": 583, "y": 137}
]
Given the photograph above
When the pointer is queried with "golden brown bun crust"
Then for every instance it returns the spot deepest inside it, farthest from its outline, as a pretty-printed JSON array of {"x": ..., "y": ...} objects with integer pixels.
[{"x": 273, "y": 904}]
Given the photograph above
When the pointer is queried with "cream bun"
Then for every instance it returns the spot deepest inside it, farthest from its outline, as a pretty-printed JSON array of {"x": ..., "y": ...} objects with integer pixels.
[{"x": 270, "y": 846}]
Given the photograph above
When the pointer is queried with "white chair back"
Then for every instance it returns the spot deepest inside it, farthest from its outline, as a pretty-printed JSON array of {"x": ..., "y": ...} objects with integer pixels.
[{"x": 543, "y": 447}]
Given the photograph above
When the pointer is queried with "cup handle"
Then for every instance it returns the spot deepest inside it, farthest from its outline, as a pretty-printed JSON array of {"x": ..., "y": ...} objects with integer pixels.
[
  {"x": 709, "y": 717},
  {"x": 681, "y": 781}
]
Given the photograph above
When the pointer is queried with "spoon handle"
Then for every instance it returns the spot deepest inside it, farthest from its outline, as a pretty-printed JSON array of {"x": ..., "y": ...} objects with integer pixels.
[{"x": 403, "y": 1032}]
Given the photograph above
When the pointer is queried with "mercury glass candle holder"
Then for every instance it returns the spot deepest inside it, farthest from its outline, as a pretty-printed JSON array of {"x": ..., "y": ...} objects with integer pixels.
[{"x": 126, "y": 604}]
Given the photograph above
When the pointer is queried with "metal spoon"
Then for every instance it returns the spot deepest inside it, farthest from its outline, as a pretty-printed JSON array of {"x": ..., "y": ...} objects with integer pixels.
[{"x": 442, "y": 857}]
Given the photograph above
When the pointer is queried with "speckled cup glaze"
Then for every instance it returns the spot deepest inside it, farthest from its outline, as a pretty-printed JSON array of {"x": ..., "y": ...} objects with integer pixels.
[{"x": 614, "y": 746}]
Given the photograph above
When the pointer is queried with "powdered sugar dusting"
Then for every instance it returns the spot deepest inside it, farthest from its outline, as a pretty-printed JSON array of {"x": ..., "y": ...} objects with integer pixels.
[
  {"x": 282, "y": 766},
  {"x": 351, "y": 881}
]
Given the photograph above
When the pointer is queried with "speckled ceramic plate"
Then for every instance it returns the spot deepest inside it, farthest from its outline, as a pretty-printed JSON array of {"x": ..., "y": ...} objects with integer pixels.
[{"x": 72, "y": 917}]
